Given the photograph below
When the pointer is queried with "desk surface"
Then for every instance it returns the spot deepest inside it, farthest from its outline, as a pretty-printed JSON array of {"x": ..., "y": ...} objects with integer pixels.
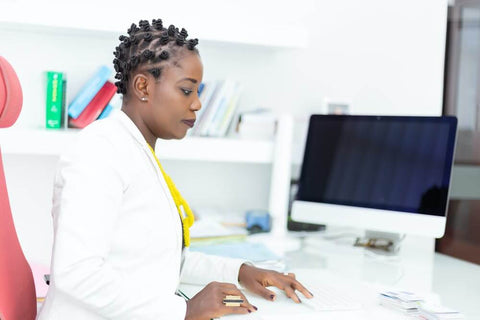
[{"x": 452, "y": 282}]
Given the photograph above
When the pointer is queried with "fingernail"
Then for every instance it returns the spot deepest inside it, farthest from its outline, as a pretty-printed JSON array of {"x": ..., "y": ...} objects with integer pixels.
[
  {"x": 255, "y": 308},
  {"x": 310, "y": 293},
  {"x": 249, "y": 311},
  {"x": 299, "y": 300},
  {"x": 272, "y": 296}
]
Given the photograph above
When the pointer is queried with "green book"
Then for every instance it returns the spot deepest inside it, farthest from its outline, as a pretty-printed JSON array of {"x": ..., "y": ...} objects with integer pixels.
[
  {"x": 54, "y": 100},
  {"x": 64, "y": 122}
]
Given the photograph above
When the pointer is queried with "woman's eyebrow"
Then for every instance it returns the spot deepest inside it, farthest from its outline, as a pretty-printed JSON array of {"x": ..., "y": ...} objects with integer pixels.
[{"x": 188, "y": 79}]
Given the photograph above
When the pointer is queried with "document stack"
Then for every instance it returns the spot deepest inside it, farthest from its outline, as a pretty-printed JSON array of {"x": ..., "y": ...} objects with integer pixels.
[
  {"x": 403, "y": 301},
  {"x": 436, "y": 312}
]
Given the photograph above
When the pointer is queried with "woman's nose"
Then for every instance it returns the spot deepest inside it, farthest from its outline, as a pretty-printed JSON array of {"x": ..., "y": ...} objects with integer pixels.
[{"x": 196, "y": 105}]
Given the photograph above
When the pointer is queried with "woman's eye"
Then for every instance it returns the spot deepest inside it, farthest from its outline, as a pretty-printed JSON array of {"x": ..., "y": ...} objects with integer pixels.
[{"x": 186, "y": 91}]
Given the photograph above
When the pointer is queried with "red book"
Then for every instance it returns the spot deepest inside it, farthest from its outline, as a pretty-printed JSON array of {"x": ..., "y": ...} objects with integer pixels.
[{"x": 95, "y": 106}]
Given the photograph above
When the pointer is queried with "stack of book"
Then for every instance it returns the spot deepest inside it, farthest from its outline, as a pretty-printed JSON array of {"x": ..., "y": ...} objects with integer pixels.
[
  {"x": 402, "y": 301},
  {"x": 219, "y": 103},
  {"x": 91, "y": 102}
]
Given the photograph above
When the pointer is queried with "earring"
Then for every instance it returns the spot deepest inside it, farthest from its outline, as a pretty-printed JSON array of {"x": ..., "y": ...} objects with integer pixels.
[{"x": 144, "y": 98}]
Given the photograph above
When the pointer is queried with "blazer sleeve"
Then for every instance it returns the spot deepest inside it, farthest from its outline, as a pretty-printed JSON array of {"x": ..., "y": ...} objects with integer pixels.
[
  {"x": 199, "y": 268},
  {"x": 88, "y": 194}
]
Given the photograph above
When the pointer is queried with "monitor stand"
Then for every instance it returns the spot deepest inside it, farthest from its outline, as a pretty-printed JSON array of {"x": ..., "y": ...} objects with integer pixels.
[{"x": 381, "y": 242}]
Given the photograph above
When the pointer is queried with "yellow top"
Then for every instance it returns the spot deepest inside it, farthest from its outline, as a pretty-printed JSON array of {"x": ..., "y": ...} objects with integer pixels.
[{"x": 186, "y": 214}]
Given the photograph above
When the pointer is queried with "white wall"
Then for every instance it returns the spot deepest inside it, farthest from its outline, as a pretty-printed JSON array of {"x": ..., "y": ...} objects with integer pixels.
[
  {"x": 29, "y": 183},
  {"x": 386, "y": 57}
]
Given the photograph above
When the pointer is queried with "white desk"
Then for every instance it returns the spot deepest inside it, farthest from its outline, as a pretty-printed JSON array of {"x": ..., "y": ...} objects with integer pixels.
[{"x": 440, "y": 278}]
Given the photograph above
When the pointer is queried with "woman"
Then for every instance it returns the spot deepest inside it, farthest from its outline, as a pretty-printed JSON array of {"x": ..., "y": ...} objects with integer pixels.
[{"x": 119, "y": 250}]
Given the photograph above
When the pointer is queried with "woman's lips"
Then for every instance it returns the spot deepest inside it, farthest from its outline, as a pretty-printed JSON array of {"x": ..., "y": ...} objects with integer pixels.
[{"x": 189, "y": 123}]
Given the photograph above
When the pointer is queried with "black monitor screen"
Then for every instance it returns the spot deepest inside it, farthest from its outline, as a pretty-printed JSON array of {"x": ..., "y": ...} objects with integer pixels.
[{"x": 387, "y": 162}]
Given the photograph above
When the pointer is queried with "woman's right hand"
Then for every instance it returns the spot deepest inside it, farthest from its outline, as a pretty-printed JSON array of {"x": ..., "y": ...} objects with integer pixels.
[{"x": 208, "y": 303}]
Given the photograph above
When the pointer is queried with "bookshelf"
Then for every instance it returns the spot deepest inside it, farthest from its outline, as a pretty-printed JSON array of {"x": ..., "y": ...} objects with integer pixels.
[
  {"x": 223, "y": 172},
  {"x": 44, "y": 142}
]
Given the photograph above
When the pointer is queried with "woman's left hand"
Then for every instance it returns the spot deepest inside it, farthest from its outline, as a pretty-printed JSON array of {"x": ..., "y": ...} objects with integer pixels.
[{"x": 256, "y": 280}]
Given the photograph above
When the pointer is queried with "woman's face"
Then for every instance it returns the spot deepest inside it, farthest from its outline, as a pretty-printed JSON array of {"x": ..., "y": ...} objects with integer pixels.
[{"x": 173, "y": 98}]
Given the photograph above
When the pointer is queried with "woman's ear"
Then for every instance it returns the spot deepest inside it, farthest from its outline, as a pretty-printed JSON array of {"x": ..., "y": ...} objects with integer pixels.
[{"x": 140, "y": 87}]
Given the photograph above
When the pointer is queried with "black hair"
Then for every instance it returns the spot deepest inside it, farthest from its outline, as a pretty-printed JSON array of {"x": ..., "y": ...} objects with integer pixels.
[{"x": 148, "y": 44}]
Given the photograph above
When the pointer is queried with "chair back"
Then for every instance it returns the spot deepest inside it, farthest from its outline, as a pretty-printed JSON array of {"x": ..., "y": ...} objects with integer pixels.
[
  {"x": 17, "y": 287},
  {"x": 11, "y": 97}
]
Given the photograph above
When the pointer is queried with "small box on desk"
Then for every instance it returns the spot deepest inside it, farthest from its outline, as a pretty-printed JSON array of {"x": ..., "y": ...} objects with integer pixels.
[{"x": 256, "y": 124}]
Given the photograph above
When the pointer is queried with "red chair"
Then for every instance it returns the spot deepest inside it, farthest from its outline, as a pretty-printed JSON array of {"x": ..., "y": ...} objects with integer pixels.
[{"x": 17, "y": 288}]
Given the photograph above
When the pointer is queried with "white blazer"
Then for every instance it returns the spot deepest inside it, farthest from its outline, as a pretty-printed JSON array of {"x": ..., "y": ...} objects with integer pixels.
[{"x": 117, "y": 250}]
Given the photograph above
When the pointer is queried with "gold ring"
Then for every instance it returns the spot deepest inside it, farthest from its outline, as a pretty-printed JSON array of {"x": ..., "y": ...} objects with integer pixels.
[{"x": 232, "y": 301}]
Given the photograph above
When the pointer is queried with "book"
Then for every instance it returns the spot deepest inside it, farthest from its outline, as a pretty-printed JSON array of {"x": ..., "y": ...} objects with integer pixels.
[
  {"x": 205, "y": 98},
  {"x": 220, "y": 108},
  {"x": 54, "y": 99},
  {"x": 88, "y": 91},
  {"x": 209, "y": 113},
  {"x": 106, "y": 112},
  {"x": 205, "y": 93},
  {"x": 216, "y": 107},
  {"x": 200, "y": 88},
  {"x": 64, "y": 121},
  {"x": 95, "y": 107},
  {"x": 229, "y": 113}
]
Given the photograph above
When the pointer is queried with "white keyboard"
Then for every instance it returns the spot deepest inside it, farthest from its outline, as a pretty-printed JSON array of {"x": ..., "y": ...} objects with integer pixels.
[{"x": 326, "y": 298}]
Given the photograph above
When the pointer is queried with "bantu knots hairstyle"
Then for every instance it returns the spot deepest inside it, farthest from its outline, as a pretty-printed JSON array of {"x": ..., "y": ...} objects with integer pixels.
[{"x": 148, "y": 44}]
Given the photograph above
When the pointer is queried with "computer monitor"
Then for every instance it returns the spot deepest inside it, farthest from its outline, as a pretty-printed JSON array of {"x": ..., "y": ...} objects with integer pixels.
[{"x": 382, "y": 173}]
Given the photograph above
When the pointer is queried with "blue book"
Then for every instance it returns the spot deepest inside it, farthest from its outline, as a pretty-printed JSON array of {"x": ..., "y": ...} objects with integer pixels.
[
  {"x": 106, "y": 111},
  {"x": 88, "y": 91},
  {"x": 200, "y": 88}
]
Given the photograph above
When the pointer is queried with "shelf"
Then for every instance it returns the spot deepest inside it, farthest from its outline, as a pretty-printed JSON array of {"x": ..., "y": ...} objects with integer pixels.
[
  {"x": 217, "y": 150},
  {"x": 44, "y": 142},
  {"x": 276, "y": 36}
]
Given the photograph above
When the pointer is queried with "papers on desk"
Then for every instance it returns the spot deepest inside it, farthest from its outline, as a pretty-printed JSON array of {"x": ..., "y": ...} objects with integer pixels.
[
  {"x": 403, "y": 301},
  {"x": 214, "y": 235},
  {"x": 210, "y": 230},
  {"x": 435, "y": 312},
  {"x": 411, "y": 304}
]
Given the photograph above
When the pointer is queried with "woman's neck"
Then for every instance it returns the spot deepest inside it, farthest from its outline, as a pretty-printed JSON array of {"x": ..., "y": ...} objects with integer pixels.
[{"x": 137, "y": 119}]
